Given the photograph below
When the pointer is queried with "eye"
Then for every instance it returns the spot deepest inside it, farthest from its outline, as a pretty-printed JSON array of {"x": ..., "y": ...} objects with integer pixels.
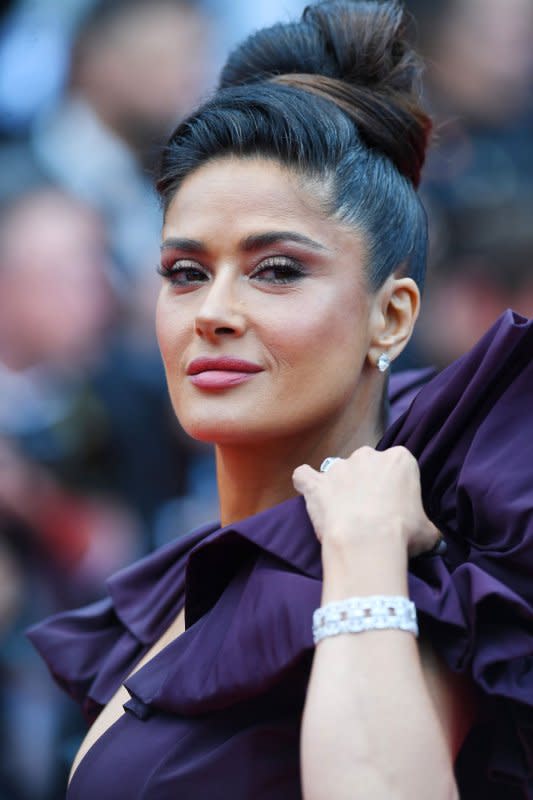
[
  {"x": 183, "y": 273},
  {"x": 278, "y": 270}
]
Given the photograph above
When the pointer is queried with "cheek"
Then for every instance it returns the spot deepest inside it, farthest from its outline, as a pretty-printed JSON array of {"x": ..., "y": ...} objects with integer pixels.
[
  {"x": 324, "y": 329},
  {"x": 171, "y": 330}
]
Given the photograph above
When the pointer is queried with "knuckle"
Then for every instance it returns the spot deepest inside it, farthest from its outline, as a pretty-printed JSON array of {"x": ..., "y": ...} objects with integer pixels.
[
  {"x": 401, "y": 452},
  {"x": 362, "y": 452},
  {"x": 299, "y": 476},
  {"x": 404, "y": 457}
]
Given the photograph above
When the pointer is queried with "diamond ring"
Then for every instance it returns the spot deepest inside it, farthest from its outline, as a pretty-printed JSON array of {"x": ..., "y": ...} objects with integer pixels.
[{"x": 326, "y": 464}]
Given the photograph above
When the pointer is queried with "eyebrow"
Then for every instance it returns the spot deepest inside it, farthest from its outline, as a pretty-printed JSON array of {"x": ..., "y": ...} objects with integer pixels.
[
  {"x": 253, "y": 242},
  {"x": 256, "y": 241},
  {"x": 189, "y": 245}
]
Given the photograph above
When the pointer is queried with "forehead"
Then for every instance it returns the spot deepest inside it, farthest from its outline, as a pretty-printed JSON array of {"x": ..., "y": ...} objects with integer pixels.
[{"x": 246, "y": 194}]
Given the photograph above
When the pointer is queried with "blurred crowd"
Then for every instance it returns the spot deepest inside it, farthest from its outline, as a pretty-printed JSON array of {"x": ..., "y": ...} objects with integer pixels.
[{"x": 94, "y": 470}]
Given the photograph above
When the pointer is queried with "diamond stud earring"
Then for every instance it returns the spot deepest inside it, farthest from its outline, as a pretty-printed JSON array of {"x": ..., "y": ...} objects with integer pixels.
[{"x": 383, "y": 362}]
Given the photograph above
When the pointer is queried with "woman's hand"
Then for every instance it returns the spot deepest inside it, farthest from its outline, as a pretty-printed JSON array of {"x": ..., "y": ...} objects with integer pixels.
[{"x": 369, "y": 497}]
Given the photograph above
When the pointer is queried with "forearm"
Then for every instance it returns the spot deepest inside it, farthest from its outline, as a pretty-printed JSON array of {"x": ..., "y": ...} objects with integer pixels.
[{"x": 370, "y": 729}]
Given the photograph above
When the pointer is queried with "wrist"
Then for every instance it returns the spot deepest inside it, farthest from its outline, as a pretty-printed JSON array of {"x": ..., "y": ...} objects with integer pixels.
[
  {"x": 361, "y": 533},
  {"x": 378, "y": 567},
  {"x": 362, "y": 614}
]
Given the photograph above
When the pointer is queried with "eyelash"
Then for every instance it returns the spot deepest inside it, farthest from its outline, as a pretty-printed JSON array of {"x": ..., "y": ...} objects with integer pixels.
[
  {"x": 288, "y": 272},
  {"x": 173, "y": 273}
]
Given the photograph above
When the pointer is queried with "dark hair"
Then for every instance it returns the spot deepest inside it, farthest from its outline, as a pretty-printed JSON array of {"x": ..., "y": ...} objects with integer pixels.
[{"x": 335, "y": 97}]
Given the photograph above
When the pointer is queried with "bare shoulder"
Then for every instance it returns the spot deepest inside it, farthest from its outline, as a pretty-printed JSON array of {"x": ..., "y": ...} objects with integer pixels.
[{"x": 454, "y": 697}]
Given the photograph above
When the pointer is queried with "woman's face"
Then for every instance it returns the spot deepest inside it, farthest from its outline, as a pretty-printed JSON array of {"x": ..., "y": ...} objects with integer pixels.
[{"x": 255, "y": 271}]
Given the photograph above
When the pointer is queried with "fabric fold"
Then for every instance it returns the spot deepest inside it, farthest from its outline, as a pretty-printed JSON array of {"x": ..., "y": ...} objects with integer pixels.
[
  {"x": 234, "y": 657},
  {"x": 471, "y": 430}
]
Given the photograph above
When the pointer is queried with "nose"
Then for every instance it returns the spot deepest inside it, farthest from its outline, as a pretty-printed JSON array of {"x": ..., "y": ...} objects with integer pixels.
[{"x": 221, "y": 313}]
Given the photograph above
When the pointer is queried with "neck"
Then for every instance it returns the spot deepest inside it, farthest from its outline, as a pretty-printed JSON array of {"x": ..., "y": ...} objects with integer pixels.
[{"x": 254, "y": 477}]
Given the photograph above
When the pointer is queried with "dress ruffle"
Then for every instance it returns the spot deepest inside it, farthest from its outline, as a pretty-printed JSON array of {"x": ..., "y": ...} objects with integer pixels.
[
  {"x": 90, "y": 650},
  {"x": 251, "y": 588},
  {"x": 471, "y": 430}
]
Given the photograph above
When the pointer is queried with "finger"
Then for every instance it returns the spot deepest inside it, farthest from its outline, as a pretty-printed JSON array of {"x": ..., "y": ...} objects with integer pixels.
[
  {"x": 303, "y": 477},
  {"x": 431, "y": 535},
  {"x": 432, "y": 542},
  {"x": 440, "y": 548},
  {"x": 439, "y": 543}
]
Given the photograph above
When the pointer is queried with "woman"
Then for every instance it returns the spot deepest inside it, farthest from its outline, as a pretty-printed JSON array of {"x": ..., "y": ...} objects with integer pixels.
[{"x": 293, "y": 254}]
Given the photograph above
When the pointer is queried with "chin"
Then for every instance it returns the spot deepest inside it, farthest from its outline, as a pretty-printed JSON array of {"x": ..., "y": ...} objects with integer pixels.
[
  {"x": 216, "y": 431},
  {"x": 235, "y": 431}
]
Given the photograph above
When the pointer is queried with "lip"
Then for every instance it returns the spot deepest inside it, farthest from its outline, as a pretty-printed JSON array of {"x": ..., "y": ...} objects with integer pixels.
[
  {"x": 222, "y": 364},
  {"x": 221, "y": 373}
]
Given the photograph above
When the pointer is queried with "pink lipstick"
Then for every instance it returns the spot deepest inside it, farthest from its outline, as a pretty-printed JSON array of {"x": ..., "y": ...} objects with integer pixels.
[{"x": 221, "y": 373}]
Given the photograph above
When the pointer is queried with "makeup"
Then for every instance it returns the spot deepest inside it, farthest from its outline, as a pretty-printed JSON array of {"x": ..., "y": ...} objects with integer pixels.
[{"x": 221, "y": 373}]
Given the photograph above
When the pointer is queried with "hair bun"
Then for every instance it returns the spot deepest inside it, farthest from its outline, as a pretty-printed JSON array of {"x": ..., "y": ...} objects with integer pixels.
[
  {"x": 356, "y": 54},
  {"x": 367, "y": 42}
]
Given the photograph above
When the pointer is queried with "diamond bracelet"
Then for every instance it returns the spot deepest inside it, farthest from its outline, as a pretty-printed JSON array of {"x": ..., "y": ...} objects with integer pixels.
[{"x": 358, "y": 614}]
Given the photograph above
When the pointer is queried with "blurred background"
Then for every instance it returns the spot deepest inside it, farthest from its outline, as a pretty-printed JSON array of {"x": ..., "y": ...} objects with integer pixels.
[{"x": 94, "y": 470}]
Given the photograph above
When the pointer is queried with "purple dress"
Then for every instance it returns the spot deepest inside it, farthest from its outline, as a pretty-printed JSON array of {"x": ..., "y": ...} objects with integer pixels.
[{"x": 216, "y": 714}]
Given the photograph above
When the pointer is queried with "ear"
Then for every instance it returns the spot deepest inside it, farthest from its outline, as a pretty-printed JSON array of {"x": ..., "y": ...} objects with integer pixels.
[{"x": 394, "y": 312}]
